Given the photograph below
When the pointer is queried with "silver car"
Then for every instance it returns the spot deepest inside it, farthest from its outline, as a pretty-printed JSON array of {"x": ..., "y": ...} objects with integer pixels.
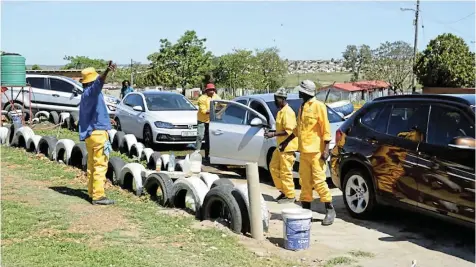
[
  {"x": 236, "y": 135},
  {"x": 158, "y": 117},
  {"x": 50, "y": 93}
]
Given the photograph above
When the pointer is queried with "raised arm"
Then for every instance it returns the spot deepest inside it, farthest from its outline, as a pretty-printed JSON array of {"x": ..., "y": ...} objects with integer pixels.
[{"x": 97, "y": 85}]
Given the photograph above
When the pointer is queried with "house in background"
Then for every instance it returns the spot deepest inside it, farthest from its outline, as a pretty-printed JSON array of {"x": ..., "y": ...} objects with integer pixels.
[{"x": 354, "y": 91}]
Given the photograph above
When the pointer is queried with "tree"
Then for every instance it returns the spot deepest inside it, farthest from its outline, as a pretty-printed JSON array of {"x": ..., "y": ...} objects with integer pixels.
[
  {"x": 269, "y": 69},
  {"x": 236, "y": 69},
  {"x": 81, "y": 62},
  {"x": 446, "y": 62},
  {"x": 356, "y": 59},
  {"x": 35, "y": 67},
  {"x": 181, "y": 64},
  {"x": 392, "y": 62}
]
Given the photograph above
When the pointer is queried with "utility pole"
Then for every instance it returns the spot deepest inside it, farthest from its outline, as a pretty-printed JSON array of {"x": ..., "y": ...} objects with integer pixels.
[{"x": 415, "y": 41}]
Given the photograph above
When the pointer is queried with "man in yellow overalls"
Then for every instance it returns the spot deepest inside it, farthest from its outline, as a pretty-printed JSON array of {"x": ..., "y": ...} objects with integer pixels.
[
  {"x": 281, "y": 165},
  {"x": 203, "y": 119},
  {"x": 313, "y": 130},
  {"x": 94, "y": 123}
]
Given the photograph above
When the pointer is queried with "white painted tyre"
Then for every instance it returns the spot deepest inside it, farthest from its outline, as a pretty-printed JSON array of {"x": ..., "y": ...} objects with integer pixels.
[
  {"x": 165, "y": 161},
  {"x": 189, "y": 193},
  {"x": 131, "y": 178},
  {"x": 42, "y": 114},
  {"x": 179, "y": 165},
  {"x": 32, "y": 143},
  {"x": 22, "y": 135},
  {"x": 136, "y": 150},
  {"x": 146, "y": 154},
  {"x": 64, "y": 117},
  {"x": 3, "y": 135},
  {"x": 63, "y": 150},
  {"x": 243, "y": 189},
  {"x": 128, "y": 141},
  {"x": 111, "y": 134},
  {"x": 208, "y": 178}
]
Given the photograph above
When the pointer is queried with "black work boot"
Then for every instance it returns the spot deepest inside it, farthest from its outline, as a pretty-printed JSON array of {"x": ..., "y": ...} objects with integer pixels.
[
  {"x": 103, "y": 201},
  {"x": 286, "y": 200},
  {"x": 281, "y": 196},
  {"x": 306, "y": 205},
  {"x": 330, "y": 214}
]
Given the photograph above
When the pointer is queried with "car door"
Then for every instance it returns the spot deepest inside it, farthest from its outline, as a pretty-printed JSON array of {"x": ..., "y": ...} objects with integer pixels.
[
  {"x": 232, "y": 140},
  {"x": 125, "y": 112},
  {"x": 39, "y": 92},
  {"x": 447, "y": 181},
  {"x": 136, "y": 118},
  {"x": 390, "y": 137},
  {"x": 61, "y": 94}
]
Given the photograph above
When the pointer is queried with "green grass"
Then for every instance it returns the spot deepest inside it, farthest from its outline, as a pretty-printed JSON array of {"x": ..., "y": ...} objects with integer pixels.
[
  {"x": 338, "y": 261},
  {"x": 325, "y": 78},
  {"x": 361, "y": 254},
  {"x": 43, "y": 227}
]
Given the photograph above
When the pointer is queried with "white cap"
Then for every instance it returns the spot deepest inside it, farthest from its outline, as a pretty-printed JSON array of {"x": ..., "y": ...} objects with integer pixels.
[{"x": 307, "y": 86}]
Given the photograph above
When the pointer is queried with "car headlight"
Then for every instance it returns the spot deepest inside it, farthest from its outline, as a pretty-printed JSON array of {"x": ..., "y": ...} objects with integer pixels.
[
  {"x": 161, "y": 124},
  {"x": 111, "y": 107},
  {"x": 111, "y": 100}
]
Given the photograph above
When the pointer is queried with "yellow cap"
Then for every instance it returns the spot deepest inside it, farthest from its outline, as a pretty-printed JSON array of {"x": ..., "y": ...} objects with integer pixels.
[{"x": 89, "y": 75}]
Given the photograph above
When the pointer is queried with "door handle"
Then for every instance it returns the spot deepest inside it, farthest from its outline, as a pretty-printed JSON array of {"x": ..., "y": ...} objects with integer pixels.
[
  {"x": 217, "y": 132},
  {"x": 55, "y": 95}
]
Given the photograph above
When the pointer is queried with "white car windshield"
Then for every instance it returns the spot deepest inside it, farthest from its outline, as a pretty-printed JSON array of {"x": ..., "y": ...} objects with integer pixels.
[
  {"x": 162, "y": 102},
  {"x": 332, "y": 116}
]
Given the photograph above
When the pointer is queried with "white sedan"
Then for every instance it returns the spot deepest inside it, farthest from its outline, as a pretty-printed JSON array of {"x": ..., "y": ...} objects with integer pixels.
[
  {"x": 158, "y": 117},
  {"x": 237, "y": 130}
]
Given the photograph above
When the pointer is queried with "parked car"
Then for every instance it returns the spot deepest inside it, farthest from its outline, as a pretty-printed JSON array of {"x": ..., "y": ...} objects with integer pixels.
[
  {"x": 51, "y": 93},
  {"x": 412, "y": 151},
  {"x": 158, "y": 117},
  {"x": 235, "y": 122}
]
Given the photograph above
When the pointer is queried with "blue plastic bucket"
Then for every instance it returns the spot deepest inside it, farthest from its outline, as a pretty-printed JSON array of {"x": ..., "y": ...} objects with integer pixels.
[
  {"x": 297, "y": 228},
  {"x": 16, "y": 118}
]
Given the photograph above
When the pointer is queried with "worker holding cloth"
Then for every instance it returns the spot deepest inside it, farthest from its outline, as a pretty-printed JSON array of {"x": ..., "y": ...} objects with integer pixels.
[
  {"x": 203, "y": 118},
  {"x": 93, "y": 126},
  {"x": 313, "y": 130},
  {"x": 281, "y": 165}
]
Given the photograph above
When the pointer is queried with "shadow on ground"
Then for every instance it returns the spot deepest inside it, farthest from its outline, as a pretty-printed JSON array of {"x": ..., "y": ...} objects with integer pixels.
[{"x": 80, "y": 193}]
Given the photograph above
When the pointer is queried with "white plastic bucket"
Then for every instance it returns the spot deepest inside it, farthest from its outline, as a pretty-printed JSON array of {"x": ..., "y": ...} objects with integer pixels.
[{"x": 296, "y": 228}]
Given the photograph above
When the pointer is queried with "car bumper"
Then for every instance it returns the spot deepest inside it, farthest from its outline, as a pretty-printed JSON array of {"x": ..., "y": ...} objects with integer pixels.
[{"x": 174, "y": 136}]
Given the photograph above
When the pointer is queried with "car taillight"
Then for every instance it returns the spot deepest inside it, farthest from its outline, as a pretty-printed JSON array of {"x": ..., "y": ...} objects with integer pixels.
[{"x": 338, "y": 136}]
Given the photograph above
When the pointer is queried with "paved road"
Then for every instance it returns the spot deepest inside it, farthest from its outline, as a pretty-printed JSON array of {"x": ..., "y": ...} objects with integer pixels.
[{"x": 396, "y": 238}]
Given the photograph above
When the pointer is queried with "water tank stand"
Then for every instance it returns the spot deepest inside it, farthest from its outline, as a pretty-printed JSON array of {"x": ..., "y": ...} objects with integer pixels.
[{"x": 12, "y": 101}]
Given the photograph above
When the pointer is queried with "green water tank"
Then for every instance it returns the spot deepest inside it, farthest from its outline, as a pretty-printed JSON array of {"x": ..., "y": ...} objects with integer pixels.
[{"x": 13, "y": 70}]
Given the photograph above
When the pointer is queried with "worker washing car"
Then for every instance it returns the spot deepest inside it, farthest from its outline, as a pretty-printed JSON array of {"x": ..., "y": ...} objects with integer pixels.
[
  {"x": 203, "y": 119},
  {"x": 313, "y": 130},
  {"x": 281, "y": 164},
  {"x": 93, "y": 126}
]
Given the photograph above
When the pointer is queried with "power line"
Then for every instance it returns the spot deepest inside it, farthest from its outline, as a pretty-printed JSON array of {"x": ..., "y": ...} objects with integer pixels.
[{"x": 463, "y": 18}]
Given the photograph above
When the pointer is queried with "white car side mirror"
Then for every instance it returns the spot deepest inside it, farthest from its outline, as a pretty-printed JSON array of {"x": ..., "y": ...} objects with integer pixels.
[
  {"x": 256, "y": 122},
  {"x": 137, "y": 108}
]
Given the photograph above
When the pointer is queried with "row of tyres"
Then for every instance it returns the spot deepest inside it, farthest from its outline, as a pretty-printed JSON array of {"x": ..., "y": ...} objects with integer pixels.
[{"x": 205, "y": 195}]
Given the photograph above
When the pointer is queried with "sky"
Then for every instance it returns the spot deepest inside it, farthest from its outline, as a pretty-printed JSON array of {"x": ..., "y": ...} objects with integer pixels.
[{"x": 45, "y": 32}]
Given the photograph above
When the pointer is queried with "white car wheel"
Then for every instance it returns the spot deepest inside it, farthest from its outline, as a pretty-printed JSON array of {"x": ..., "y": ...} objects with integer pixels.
[{"x": 357, "y": 194}]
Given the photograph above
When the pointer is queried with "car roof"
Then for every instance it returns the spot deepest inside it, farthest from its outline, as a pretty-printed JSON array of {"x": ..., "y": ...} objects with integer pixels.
[
  {"x": 156, "y": 92},
  {"x": 467, "y": 99},
  {"x": 268, "y": 97}
]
